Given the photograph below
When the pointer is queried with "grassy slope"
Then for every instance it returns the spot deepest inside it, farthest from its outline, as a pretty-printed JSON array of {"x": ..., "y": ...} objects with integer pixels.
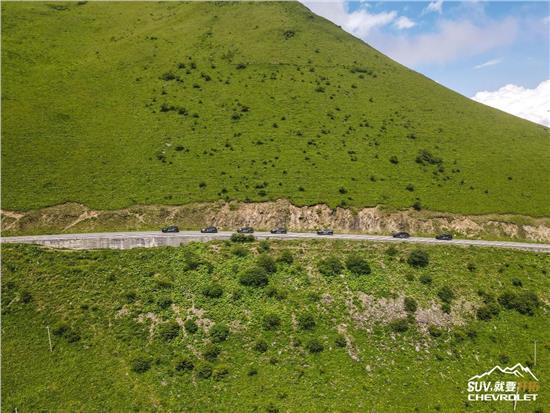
[
  {"x": 82, "y": 91},
  {"x": 87, "y": 290}
]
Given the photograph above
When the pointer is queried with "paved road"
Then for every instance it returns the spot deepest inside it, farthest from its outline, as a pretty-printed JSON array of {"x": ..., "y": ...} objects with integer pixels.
[{"x": 124, "y": 240}]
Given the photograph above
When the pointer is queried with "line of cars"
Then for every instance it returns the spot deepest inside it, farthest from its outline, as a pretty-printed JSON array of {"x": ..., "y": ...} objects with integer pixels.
[{"x": 282, "y": 230}]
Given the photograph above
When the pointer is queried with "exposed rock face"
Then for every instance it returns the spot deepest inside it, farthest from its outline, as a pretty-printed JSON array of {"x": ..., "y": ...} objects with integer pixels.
[{"x": 265, "y": 215}]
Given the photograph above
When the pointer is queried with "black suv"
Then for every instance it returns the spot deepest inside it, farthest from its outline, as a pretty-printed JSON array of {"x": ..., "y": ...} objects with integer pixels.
[
  {"x": 278, "y": 231},
  {"x": 325, "y": 232},
  {"x": 245, "y": 230},
  {"x": 401, "y": 234},
  {"x": 444, "y": 237},
  {"x": 209, "y": 230},
  {"x": 171, "y": 228}
]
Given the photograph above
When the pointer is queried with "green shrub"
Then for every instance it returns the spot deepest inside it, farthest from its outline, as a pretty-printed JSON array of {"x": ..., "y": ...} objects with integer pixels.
[
  {"x": 471, "y": 266},
  {"x": 285, "y": 257},
  {"x": 204, "y": 371},
  {"x": 275, "y": 293},
  {"x": 239, "y": 251},
  {"x": 141, "y": 364},
  {"x": 271, "y": 322},
  {"x": 524, "y": 302},
  {"x": 425, "y": 279},
  {"x": 185, "y": 364},
  {"x": 220, "y": 373},
  {"x": 391, "y": 251},
  {"x": 26, "y": 297},
  {"x": 330, "y": 266},
  {"x": 306, "y": 322},
  {"x": 263, "y": 246},
  {"x": 418, "y": 258},
  {"x": 261, "y": 346},
  {"x": 340, "y": 341},
  {"x": 238, "y": 237},
  {"x": 445, "y": 294},
  {"x": 164, "y": 302},
  {"x": 434, "y": 331},
  {"x": 211, "y": 352},
  {"x": 60, "y": 329},
  {"x": 169, "y": 330},
  {"x": 314, "y": 346},
  {"x": 267, "y": 263},
  {"x": 400, "y": 325},
  {"x": 213, "y": 291},
  {"x": 357, "y": 265},
  {"x": 516, "y": 282},
  {"x": 254, "y": 277},
  {"x": 190, "y": 326},
  {"x": 410, "y": 305},
  {"x": 219, "y": 333},
  {"x": 487, "y": 311},
  {"x": 446, "y": 308},
  {"x": 191, "y": 260}
]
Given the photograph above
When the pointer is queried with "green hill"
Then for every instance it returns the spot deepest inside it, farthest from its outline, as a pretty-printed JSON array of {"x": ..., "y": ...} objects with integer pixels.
[
  {"x": 117, "y": 104},
  {"x": 398, "y": 339}
]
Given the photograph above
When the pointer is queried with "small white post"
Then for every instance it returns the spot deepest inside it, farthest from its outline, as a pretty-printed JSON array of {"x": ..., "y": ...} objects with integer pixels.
[{"x": 49, "y": 338}]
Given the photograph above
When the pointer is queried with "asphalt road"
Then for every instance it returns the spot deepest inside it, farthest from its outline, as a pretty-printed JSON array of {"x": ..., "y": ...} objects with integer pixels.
[{"x": 122, "y": 240}]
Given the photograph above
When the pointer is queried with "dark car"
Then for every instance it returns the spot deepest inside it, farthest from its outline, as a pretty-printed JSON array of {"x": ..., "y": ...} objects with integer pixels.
[
  {"x": 401, "y": 234},
  {"x": 209, "y": 230},
  {"x": 444, "y": 237},
  {"x": 171, "y": 228},
  {"x": 325, "y": 232},
  {"x": 278, "y": 231},
  {"x": 245, "y": 230}
]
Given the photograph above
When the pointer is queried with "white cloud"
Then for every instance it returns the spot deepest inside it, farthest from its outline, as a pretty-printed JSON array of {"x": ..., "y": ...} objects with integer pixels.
[
  {"x": 404, "y": 22},
  {"x": 358, "y": 22},
  {"x": 491, "y": 62},
  {"x": 435, "y": 6},
  {"x": 530, "y": 104},
  {"x": 452, "y": 40}
]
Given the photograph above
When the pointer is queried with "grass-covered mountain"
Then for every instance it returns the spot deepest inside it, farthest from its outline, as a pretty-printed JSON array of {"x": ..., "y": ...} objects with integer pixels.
[
  {"x": 117, "y": 104},
  {"x": 279, "y": 327}
]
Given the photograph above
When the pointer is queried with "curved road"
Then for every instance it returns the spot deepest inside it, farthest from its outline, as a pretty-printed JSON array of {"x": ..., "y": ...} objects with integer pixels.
[{"x": 124, "y": 240}]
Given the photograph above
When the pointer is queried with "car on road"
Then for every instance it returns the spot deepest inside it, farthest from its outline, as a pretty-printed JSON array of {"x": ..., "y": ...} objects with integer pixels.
[
  {"x": 325, "y": 231},
  {"x": 245, "y": 230},
  {"x": 279, "y": 230},
  {"x": 401, "y": 234},
  {"x": 444, "y": 237},
  {"x": 209, "y": 230},
  {"x": 171, "y": 228}
]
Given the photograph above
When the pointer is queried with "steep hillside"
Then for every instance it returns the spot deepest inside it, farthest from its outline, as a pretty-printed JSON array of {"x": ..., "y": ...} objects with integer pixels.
[
  {"x": 112, "y": 105},
  {"x": 197, "y": 329}
]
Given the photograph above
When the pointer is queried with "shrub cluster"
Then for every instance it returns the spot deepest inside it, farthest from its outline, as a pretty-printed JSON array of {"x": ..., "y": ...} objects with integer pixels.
[
  {"x": 219, "y": 333},
  {"x": 254, "y": 277},
  {"x": 306, "y": 322},
  {"x": 285, "y": 257},
  {"x": 213, "y": 291},
  {"x": 271, "y": 322},
  {"x": 418, "y": 258},
  {"x": 524, "y": 302},
  {"x": 190, "y": 326},
  {"x": 238, "y": 237},
  {"x": 358, "y": 265},
  {"x": 169, "y": 330},
  {"x": 330, "y": 266},
  {"x": 267, "y": 263}
]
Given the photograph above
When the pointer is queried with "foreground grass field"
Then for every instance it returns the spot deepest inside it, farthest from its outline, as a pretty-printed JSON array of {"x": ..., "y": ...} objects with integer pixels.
[
  {"x": 286, "y": 326},
  {"x": 118, "y": 104}
]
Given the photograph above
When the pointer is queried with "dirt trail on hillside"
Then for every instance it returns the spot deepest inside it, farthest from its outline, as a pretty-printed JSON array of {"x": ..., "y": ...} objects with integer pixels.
[{"x": 74, "y": 217}]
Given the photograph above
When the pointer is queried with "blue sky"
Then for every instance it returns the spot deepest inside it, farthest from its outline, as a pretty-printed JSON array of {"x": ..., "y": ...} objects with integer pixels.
[{"x": 501, "y": 48}]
